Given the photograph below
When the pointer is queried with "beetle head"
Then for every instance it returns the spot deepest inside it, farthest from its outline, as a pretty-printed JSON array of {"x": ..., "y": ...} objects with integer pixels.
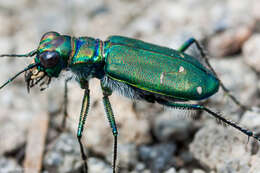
[{"x": 50, "y": 58}]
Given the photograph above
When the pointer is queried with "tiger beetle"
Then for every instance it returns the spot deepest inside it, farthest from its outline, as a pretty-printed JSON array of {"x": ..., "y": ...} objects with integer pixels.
[{"x": 134, "y": 68}]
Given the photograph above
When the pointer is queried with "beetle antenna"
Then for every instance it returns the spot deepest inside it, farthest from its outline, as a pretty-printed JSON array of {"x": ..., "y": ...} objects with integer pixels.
[
  {"x": 15, "y": 76},
  {"x": 30, "y": 54}
]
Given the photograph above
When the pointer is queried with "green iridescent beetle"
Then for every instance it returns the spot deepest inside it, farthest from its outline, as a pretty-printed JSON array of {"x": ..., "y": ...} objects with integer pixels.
[{"x": 134, "y": 68}]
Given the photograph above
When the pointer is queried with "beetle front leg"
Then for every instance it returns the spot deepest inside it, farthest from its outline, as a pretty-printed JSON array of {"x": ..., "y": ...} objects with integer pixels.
[
  {"x": 110, "y": 116},
  {"x": 65, "y": 103},
  {"x": 82, "y": 119},
  {"x": 186, "y": 45},
  {"x": 214, "y": 114}
]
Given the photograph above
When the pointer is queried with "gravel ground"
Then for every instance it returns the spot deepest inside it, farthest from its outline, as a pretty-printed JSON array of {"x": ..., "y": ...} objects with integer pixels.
[{"x": 152, "y": 138}]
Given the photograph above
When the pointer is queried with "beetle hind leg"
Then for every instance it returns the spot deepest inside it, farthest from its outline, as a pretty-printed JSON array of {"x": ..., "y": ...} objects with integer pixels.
[
  {"x": 247, "y": 132},
  {"x": 191, "y": 41}
]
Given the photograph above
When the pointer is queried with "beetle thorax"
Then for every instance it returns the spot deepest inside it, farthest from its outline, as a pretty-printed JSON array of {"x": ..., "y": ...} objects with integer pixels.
[{"x": 87, "y": 60}]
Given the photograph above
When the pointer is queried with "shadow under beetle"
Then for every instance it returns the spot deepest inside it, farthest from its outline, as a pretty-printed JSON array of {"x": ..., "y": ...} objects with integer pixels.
[{"x": 134, "y": 68}]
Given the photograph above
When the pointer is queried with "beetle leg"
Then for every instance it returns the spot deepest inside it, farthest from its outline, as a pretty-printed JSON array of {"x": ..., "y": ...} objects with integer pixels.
[
  {"x": 65, "y": 103},
  {"x": 110, "y": 115},
  {"x": 82, "y": 119},
  {"x": 186, "y": 45},
  {"x": 247, "y": 132}
]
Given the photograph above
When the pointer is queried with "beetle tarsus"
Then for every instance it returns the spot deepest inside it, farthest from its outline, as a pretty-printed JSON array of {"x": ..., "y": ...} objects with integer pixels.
[
  {"x": 115, "y": 154},
  {"x": 83, "y": 156}
]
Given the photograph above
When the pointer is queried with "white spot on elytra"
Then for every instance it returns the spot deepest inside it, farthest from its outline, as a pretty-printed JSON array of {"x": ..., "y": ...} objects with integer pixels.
[
  {"x": 161, "y": 77},
  {"x": 199, "y": 90},
  {"x": 181, "y": 55},
  {"x": 181, "y": 69}
]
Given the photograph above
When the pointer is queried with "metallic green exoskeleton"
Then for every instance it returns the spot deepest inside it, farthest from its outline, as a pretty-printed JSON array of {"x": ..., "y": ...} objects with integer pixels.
[
  {"x": 134, "y": 68},
  {"x": 158, "y": 70}
]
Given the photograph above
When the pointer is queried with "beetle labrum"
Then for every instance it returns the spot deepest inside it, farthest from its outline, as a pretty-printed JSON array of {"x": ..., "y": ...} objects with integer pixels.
[{"x": 134, "y": 68}]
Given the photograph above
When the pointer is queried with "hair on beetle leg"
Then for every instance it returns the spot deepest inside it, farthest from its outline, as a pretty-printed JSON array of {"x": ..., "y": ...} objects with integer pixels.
[{"x": 182, "y": 114}]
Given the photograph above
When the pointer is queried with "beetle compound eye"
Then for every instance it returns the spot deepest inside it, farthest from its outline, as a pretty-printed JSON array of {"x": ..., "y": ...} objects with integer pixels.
[{"x": 49, "y": 58}]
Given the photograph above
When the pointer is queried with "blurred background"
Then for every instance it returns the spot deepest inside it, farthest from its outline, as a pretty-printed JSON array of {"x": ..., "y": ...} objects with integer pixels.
[{"x": 152, "y": 138}]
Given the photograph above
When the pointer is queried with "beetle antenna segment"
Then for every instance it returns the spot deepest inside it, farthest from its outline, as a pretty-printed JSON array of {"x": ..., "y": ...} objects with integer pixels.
[
  {"x": 30, "y": 54},
  {"x": 15, "y": 76}
]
